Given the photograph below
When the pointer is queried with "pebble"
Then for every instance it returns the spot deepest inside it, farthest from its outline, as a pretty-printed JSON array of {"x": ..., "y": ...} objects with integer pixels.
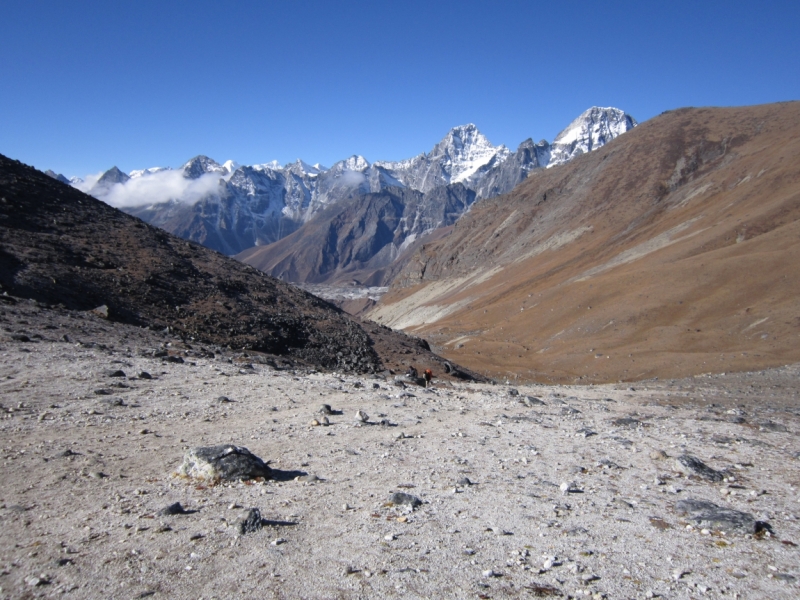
[
  {"x": 252, "y": 522},
  {"x": 325, "y": 409},
  {"x": 278, "y": 541},
  {"x": 490, "y": 573},
  {"x": 362, "y": 416},
  {"x": 403, "y": 499},
  {"x": 389, "y": 537},
  {"x": 145, "y": 375},
  {"x": 464, "y": 482}
]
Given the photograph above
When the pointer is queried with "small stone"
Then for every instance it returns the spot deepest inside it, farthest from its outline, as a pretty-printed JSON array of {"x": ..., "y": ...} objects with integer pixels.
[
  {"x": 491, "y": 573},
  {"x": 34, "y": 581},
  {"x": 325, "y": 421},
  {"x": 692, "y": 465},
  {"x": 403, "y": 499},
  {"x": 362, "y": 416},
  {"x": 325, "y": 409},
  {"x": 389, "y": 537},
  {"x": 658, "y": 455},
  {"x": 234, "y": 505},
  {"x": 252, "y": 522},
  {"x": 278, "y": 541},
  {"x": 464, "y": 482},
  {"x": 173, "y": 509},
  {"x": 314, "y": 423},
  {"x": 346, "y": 506},
  {"x": 531, "y": 401},
  {"x": 145, "y": 375},
  {"x": 144, "y": 431},
  {"x": 117, "y": 373},
  {"x": 588, "y": 578},
  {"x": 223, "y": 399}
]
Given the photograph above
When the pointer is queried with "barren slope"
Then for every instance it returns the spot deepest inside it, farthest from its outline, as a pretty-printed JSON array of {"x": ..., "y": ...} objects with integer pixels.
[{"x": 673, "y": 250}]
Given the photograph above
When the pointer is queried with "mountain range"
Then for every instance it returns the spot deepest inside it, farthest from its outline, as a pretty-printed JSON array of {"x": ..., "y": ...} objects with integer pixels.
[{"x": 231, "y": 208}]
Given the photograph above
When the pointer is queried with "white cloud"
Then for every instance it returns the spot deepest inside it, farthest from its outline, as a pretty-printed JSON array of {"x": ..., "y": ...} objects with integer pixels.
[{"x": 157, "y": 187}]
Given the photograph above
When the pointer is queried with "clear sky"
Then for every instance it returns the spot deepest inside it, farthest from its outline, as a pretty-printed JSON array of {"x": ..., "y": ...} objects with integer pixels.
[{"x": 85, "y": 85}]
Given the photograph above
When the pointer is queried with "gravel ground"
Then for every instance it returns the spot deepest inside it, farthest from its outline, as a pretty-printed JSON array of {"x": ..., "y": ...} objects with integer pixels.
[{"x": 573, "y": 497}]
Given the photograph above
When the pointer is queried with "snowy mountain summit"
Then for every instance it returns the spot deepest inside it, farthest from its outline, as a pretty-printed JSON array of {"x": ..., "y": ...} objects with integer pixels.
[
  {"x": 591, "y": 130},
  {"x": 230, "y": 207}
]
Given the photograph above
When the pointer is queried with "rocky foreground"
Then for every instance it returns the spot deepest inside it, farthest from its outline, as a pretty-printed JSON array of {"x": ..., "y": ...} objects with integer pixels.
[{"x": 674, "y": 489}]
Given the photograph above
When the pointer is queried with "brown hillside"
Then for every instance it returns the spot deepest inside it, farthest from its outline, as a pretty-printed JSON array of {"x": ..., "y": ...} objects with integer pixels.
[{"x": 674, "y": 250}]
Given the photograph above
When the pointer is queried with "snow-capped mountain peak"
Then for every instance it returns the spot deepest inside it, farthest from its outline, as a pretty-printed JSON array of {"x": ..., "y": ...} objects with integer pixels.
[
  {"x": 200, "y": 165},
  {"x": 592, "y": 129},
  {"x": 230, "y": 166},
  {"x": 354, "y": 163},
  {"x": 144, "y": 172}
]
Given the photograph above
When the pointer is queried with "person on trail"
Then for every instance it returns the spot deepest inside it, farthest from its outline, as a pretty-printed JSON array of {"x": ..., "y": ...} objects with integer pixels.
[{"x": 428, "y": 376}]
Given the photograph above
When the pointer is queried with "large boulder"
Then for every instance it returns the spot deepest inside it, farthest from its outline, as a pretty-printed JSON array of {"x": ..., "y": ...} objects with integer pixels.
[{"x": 223, "y": 463}]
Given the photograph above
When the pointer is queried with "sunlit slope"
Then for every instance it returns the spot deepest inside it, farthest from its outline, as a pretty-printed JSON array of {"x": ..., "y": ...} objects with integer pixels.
[{"x": 673, "y": 250}]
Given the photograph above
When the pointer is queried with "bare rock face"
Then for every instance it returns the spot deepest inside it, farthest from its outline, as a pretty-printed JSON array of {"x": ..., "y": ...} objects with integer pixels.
[{"x": 223, "y": 463}]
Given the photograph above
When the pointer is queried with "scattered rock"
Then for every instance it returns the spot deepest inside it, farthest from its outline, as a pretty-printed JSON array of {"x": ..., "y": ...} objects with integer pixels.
[
  {"x": 585, "y": 432},
  {"x": 224, "y": 399},
  {"x": 101, "y": 311},
  {"x": 362, "y": 416},
  {"x": 278, "y": 542},
  {"x": 658, "y": 455},
  {"x": 464, "y": 482},
  {"x": 176, "y": 508},
  {"x": 708, "y": 515},
  {"x": 117, "y": 373},
  {"x": 252, "y": 522},
  {"x": 145, "y": 375},
  {"x": 772, "y": 426},
  {"x": 692, "y": 465},
  {"x": 19, "y": 337},
  {"x": 224, "y": 462},
  {"x": 403, "y": 499},
  {"x": 314, "y": 423},
  {"x": 325, "y": 409},
  {"x": 627, "y": 422},
  {"x": 531, "y": 401}
]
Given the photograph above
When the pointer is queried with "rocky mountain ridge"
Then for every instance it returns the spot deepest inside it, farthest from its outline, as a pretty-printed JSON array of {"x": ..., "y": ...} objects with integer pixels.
[{"x": 239, "y": 207}]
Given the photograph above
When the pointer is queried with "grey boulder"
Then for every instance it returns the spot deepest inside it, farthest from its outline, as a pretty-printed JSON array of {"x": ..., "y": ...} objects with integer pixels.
[{"x": 223, "y": 463}]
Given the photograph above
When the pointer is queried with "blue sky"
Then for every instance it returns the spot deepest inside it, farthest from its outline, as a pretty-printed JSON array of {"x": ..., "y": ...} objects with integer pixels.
[{"x": 87, "y": 85}]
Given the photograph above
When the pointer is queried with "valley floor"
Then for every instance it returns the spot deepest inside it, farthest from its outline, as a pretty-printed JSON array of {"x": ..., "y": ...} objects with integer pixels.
[{"x": 573, "y": 497}]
